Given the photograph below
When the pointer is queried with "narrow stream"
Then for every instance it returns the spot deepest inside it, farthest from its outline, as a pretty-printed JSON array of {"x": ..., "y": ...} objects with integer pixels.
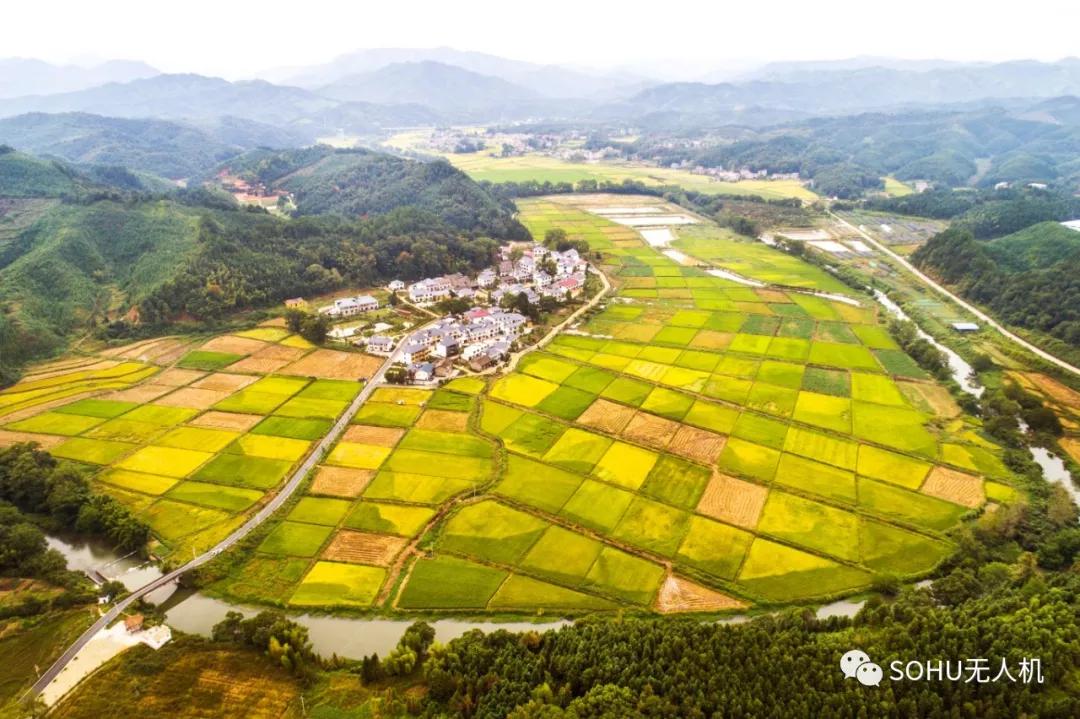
[
  {"x": 1055, "y": 471},
  {"x": 1053, "y": 468},
  {"x": 962, "y": 372}
]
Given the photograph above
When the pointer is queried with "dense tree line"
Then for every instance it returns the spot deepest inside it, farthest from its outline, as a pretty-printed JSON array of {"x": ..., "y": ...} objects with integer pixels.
[
  {"x": 280, "y": 638},
  {"x": 34, "y": 482},
  {"x": 929, "y": 357},
  {"x": 243, "y": 264},
  {"x": 985, "y": 213}
]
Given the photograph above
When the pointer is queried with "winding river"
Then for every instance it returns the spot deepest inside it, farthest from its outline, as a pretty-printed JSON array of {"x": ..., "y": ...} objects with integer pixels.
[{"x": 196, "y": 613}]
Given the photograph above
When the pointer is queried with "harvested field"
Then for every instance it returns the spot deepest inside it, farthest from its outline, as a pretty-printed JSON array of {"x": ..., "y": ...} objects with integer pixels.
[
  {"x": 191, "y": 397},
  {"x": 332, "y": 364},
  {"x": 1056, "y": 390},
  {"x": 260, "y": 365},
  {"x": 146, "y": 350},
  {"x": 227, "y": 420},
  {"x": 141, "y": 394},
  {"x": 63, "y": 368},
  {"x": 682, "y": 595},
  {"x": 697, "y": 444},
  {"x": 176, "y": 377},
  {"x": 340, "y": 481},
  {"x": 607, "y": 416},
  {"x": 954, "y": 486},
  {"x": 166, "y": 354},
  {"x": 444, "y": 421},
  {"x": 280, "y": 352},
  {"x": 650, "y": 429},
  {"x": 224, "y": 382},
  {"x": 8, "y": 438},
  {"x": 364, "y": 548},
  {"x": 733, "y": 500},
  {"x": 233, "y": 345},
  {"x": 370, "y": 434}
]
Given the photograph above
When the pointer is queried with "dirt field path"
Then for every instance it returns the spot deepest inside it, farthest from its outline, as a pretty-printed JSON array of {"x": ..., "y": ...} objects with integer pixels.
[{"x": 967, "y": 306}]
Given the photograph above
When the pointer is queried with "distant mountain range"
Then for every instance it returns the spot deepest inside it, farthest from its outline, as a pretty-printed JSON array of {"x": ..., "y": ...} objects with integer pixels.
[
  {"x": 180, "y": 97},
  {"x": 444, "y": 88},
  {"x": 551, "y": 81},
  {"x": 842, "y": 91},
  {"x": 448, "y": 86},
  {"x": 23, "y": 76}
]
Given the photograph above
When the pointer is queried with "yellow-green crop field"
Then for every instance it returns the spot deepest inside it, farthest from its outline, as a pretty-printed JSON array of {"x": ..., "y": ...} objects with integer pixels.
[
  {"x": 189, "y": 441},
  {"x": 545, "y": 168},
  {"x": 756, "y": 444}
]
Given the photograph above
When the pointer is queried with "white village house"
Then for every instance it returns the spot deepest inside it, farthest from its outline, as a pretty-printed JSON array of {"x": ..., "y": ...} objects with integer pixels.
[{"x": 350, "y": 306}]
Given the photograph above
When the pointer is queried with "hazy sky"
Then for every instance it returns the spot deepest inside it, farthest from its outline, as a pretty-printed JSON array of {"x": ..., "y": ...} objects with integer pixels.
[{"x": 237, "y": 39}]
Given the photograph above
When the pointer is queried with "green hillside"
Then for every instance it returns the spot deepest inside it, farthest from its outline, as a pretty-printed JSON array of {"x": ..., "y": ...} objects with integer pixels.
[
  {"x": 1030, "y": 278},
  {"x": 1037, "y": 247},
  {"x": 74, "y": 264},
  {"x": 22, "y": 175},
  {"x": 70, "y": 262},
  {"x": 355, "y": 183}
]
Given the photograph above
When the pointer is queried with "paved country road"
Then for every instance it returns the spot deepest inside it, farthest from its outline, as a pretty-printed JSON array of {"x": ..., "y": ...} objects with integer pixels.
[
  {"x": 967, "y": 306},
  {"x": 258, "y": 518}
]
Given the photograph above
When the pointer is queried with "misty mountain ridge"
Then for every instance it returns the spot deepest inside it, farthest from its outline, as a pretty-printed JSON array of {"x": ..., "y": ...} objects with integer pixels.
[
  {"x": 26, "y": 76},
  {"x": 444, "y": 88},
  {"x": 553, "y": 81}
]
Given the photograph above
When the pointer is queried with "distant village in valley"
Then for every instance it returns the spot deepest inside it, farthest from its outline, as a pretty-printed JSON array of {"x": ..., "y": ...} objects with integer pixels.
[{"x": 497, "y": 307}]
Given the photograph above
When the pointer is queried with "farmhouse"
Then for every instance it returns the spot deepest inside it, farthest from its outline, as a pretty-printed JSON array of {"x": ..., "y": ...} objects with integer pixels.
[
  {"x": 414, "y": 351},
  {"x": 134, "y": 623},
  {"x": 380, "y": 343},
  {"x": 395, "y": 285},
  {"x": 295, "y": 302},
  {"x": 447, "y": 347},
  {"x": 423, "y": 372},
  {"x": 350, "y": 306},
  {"x": 429, "y": 290}
]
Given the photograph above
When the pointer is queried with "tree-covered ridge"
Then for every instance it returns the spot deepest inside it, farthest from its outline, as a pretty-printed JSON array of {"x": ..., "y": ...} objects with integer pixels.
[
  {"x": 26, "y": 176},
  {"x": 78, "y": 264},
  {"x": 248, "y": 260},
  {"x": 109, "y": 246},
  {"x": 356, "y": 183},
  {"x": 1030, "y": 279},
  {"x": 986, "y": 213},
  {"x": 848, "y": 154},
  {"x": 169, "y": 149}
]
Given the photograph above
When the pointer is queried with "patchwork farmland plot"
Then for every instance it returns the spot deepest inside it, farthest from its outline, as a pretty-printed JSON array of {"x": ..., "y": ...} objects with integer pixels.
[
  {"x": 193, "y": 447},
  {"x": 695, "y": 444}
]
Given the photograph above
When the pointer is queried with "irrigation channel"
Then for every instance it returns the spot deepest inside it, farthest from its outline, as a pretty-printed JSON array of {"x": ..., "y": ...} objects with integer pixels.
[{"x": 1053, "y": 468}]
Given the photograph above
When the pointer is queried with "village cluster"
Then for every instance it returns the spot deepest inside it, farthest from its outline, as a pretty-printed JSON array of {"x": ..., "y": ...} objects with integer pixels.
[{"x": 483, "y": 335}]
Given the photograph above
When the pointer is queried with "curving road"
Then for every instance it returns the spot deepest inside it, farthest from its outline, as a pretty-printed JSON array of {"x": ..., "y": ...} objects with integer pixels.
[
  {"x": 258, "y": 518},
  {"x": 880, "y": 247}
]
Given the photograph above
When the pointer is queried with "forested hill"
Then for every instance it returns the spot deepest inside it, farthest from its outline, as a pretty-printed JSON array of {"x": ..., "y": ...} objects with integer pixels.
[
  {"x": 357, "y": 182},
  {"x": 986, "y": 213},
  {"x": 26, "y": 176},
  {"x": 77, "y": 256},
  {"x": 1030, "y": 278},
  {"x": 169, "y": 149}
]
